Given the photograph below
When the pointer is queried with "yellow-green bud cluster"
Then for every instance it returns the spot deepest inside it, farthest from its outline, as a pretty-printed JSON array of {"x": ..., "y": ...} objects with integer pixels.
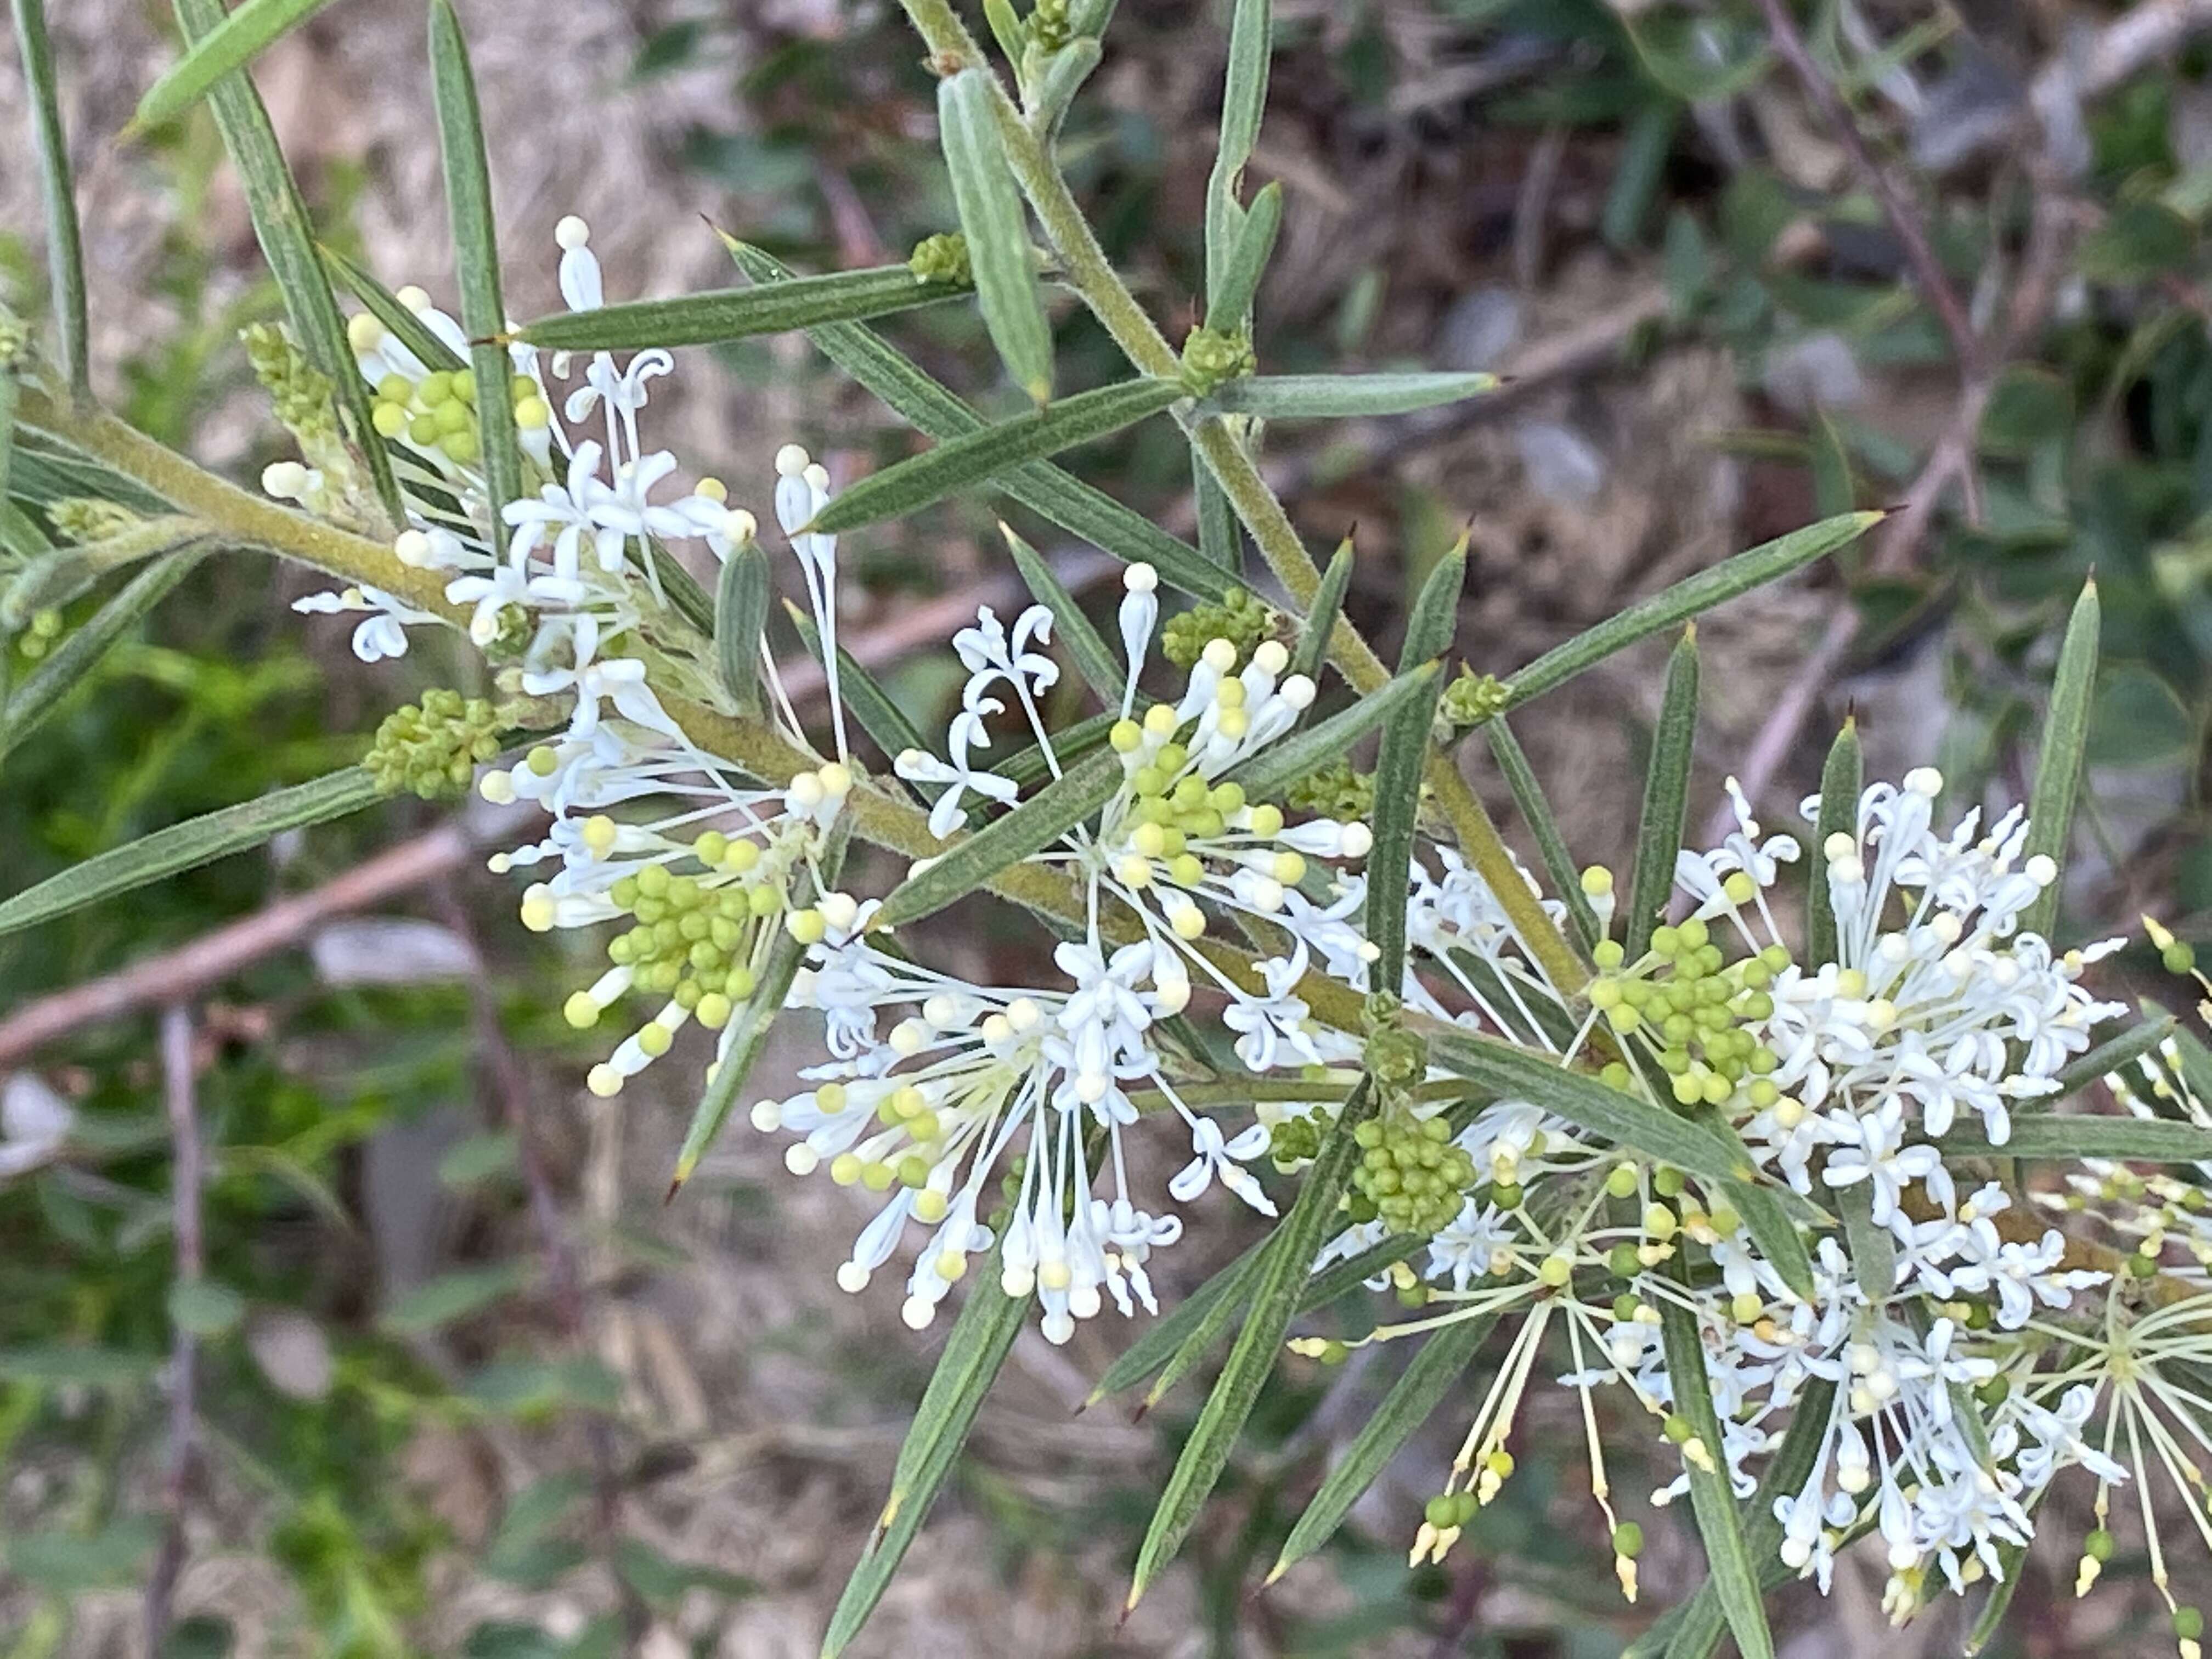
[
  {"x": 1212, "y": 357},
  {"x": 299, "y": 393},
  {"x": 435, "y": 748},
  {"x": 1448, "y": 1509},
  {"x": 439, "y": 411},
  {"x": 1470, "y": 701},
  {"x": 1050, "y": 26},
  {"x": 1294, "y": 1140},
  {"x": 1334, "y": 791},
  {"x": 694, "y": 938},
  {"x": 88, "y": 518},
  {"x": 1696, "y": 1011},
  {"x": 15, "y": 337},
  {"x": 1409, "y": 1173},
  {"x": 40, "y": 634},
  {"x": 942, "y": 258},
  {"x": 1242, "y": 619}
]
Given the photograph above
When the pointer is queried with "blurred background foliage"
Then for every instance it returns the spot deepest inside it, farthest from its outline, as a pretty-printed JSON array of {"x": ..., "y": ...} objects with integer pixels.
[{"x": 463, "y": 1385}]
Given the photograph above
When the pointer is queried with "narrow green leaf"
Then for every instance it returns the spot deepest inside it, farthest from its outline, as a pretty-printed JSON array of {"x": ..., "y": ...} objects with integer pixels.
[
  {"x": 287, "y": 236},
  {"x": 735, "y": 313},
  {"x": 1065, "y": 72},
  {"x": 1006, "y": 28},
  {"x": 1098, "y": 663},
  {"x": 2130, "y": 1046},
  {"x": 1323, "y": 614},
  {"x": 1516, "y": 1073},
  {"x": 993, "y": 220},
  {"x": 188, "y": 845},
  {"x": 1692, "y": 1629},
  {"x": 2065, "y": 746},
  {"x": 62, "y": 574},
  {"x": 1685, "y": 599},
  {"x": 741, "y": 596},
  {"x": 1735, "y": 1579},
  {"x": 912, "y": 484},
  {"x": 1044, "y": 489},
  {"x": 64, "y": 246},
  {"x": 740, "y": 1051},
  {"x": 1243, "y": 103},
  {"x": 1278, "y": 766},
  {"x": 2051, "y": 1135},
  {"x": 1030, "y": 827},
  {"x": 1219, "y": 538},
  {"x": 383, "y": 304},
  {"x": 39, "y": 694},
  {"x": 255, "y": 26},
  {"x": 1841, "y": 778},
  {"x": 981, "y": 1337},
  {"x": 1833, "y": 492},
  {"x": 1535, "y": 812},
  {"x": 1772, "y": 1226},
  {"x": 1873, "y": 1251},
  {"x": 1230, "y": 296},
  {"x": 1198, "y": 1341},
  {"x": 1164, "y": 1336},
  {"x": 1665, "y": 798},
  {"x": 2012, "y": 1559},
  {"x": 1272, "y": 1296},
  {"x": 453, "y": 1296},
  {"x": 1329, "y": 397},
  {"x": 476, "y": 256},
  {"x": 1436, "y": 1369},
  {"x": 1406, "y": 733},
  {"x": 39, "y": 475}
]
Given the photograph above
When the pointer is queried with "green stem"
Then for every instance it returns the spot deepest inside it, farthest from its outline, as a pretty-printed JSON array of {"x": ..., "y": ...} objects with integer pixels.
[{"x": 1085, "y": 268}]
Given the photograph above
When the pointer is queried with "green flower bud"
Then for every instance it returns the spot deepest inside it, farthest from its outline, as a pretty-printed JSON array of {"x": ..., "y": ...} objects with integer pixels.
[
  {"x": 942, "y": 258},
  {"x": 1212, "y": 357}
]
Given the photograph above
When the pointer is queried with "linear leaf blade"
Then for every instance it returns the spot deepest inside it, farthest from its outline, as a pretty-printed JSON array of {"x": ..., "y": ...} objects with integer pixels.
[
  {"x": 1243, "y": 103},
  {"x": 1687, "y": 598},
  {"x": 1046, "y": 490},
  {"x": 248, "y": 31},
  {"x": 1842, "y": 776},
  {"x": 42, "y": 692},
  {"x": 909, "y": 485},
  {"x": 2065, "y": 749},
  {"x": 2131, "y": 1045},
  {"x": 737, "y": 313},
  {"x": 1273, "y": 1292},
  {"x": 1028, "y": 827},
  {"x": 1322, "y": 615},
  {"x": 996, "y": 225},
  {"x": 1441, "y": 1361},
  {"x": 64, "y": 244},
  {"x": 476, "y": 256},
  {"x": 1229, "y": 295},
  {"x": 2050, "y": 1135},
  {"x": 188, "y": 845},
  {"x": 383, "y": 304},
  {"x": 1665, "y": 798},
  {"x": 1406, "y": 733},
  {"x": 1735, "y": 1580},
  {"x": 741, "y": 597},
  {"x": 1332, "y": 397},
  {"x": 1535, "y": 810}
]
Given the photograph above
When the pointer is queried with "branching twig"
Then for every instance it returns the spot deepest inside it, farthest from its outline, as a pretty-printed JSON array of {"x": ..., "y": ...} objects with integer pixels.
[{"x": 184, "y": 1177}]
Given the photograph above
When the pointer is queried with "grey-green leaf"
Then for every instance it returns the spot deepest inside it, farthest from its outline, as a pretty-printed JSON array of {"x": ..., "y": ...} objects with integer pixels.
[
  {"x": 383, "y": 304},
  {"x": 1243, "y": 103},
  {"x": 1436, "y": 1369},
  {"x": 1272, "y": 1298},
  {"x": 1406, "y": 733},
  {"x": 2131, "y": 1045},
  {"x": 1515, "y": 1073},
  {"x": 1685, "y": 600},
  {"x": 1096, "y": 660},
  {"x": 1279, "y": 765},
  {"x": 2065, "y": 746},
  {"x": 993, "y": 220},
  {"x": 980, "y": 1339},
  {"x": 741, "y": 597},
  {"x": 476, "y": 254},
  {"x": 64, "y": 246},
  {"x": 1535, "y": 808},
  {"x": 930, "y": 477},
  {"x": 188, "y": 845},
  {"x": 1735, "y": 1579},
  {"x": 254, "y": 27},
  {"x": 1322, "y": 615},
  {"x": 1230, "y": 292},
  {"x": 1332, "y": 396},
  {"x": 1665, "y": 798},
  {"x": 2051, "y": 1135},
  {"x": 1044, "y": 489},
  {"x": 1841, "y": 778},
  {"x": 736, "y": 314},
  {"x": 1032, "y": 826}
]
